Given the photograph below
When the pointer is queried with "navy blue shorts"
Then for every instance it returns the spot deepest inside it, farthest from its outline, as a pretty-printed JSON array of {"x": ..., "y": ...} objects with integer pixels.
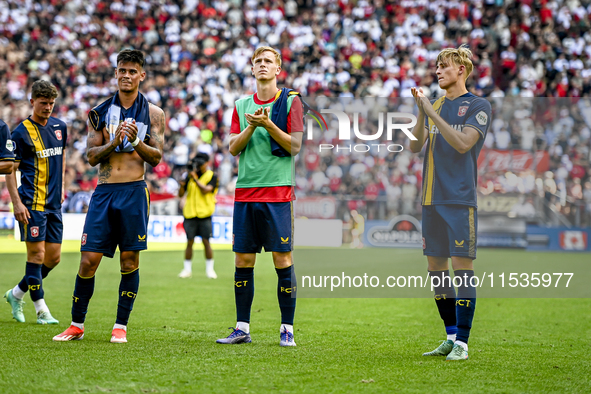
[
  {"x": 117, "y": 215},
  {"x": 262, "y": 224},
  {"x": 43, "y": 226},
  {"x": 449, "y": 230}
]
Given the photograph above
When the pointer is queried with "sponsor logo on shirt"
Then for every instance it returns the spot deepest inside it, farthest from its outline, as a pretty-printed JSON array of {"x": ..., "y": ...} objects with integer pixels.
[
  {"x": 482, "y": 118},
  {"x": 435, "y": 130},
  {"x": 50, "y": 152}
]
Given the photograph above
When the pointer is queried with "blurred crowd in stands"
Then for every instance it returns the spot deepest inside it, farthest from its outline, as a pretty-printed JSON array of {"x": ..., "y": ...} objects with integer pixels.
[{"x": 198, "y": 64}]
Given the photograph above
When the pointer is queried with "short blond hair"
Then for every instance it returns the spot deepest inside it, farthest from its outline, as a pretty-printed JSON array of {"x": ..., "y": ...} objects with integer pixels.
[
  {"x": 260, "y": 50},
  {"x": 461, "y": 56}
]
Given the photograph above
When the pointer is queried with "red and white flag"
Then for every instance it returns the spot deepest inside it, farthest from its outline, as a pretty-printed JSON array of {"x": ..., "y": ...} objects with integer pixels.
[{"x": 573, "y": 240}]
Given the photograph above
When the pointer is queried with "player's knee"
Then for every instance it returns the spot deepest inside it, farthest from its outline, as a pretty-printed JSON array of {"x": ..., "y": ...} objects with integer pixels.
[
  {"x": 52, "y": 261},
  {"x": 36, "y": 256},
  {"x": 245, "y": 261},
  {"x": 244, "y": 264},
  {"x": 437, "y": 263},
  {"x": 87, "y": 266},
  {"x": 128, "y": 265},
  {"x": 282, "y": 264},
  {"x": 282, "y": 260},
  {"x": 462, "y": 263}
]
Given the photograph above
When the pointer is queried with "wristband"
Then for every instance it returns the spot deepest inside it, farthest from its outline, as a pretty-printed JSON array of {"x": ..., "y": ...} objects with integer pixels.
[{"x": 135, "y": 142}]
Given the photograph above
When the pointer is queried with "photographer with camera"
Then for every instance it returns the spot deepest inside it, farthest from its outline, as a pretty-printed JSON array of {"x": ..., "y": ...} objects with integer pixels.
[{"x": 201, "y": 186}]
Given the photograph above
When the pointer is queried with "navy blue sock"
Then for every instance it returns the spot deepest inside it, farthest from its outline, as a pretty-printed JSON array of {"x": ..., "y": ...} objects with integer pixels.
[
  {"x": 23, "y": 283},
  {"x": 243, "y": 292},
  {"x": 465, "y": 304},
  {"x": 34, "y": 280},
  {"x": 45, "y": 270},
  {"x": 130, "y": 283},
  {"x": 82, "y": 295},
  {"x": 445, "y": 299},
  {"x": 286, "y": 293}
]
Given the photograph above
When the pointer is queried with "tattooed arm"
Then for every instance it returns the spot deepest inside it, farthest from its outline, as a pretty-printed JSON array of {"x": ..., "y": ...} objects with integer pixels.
[
  {"x": 96, "y": 149},
  {"x": 151, "y": 152}
]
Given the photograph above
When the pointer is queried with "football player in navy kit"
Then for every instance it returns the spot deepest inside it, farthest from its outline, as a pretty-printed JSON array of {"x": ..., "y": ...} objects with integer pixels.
[
  {"x": 40, "y": 142},
  {"x": 125, "y": 132},
  {"x": 454, "y": 128},
  {"x": 6, "y": 149}
]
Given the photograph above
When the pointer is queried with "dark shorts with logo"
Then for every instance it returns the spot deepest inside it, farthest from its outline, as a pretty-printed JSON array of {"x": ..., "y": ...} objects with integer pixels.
[
  {"x": 43, "y": 226},
  {"x": 262, "y": 224},
  {"x": 449, "y": 230},
  {"x": 117, "y": 215},
  {"x": 198, "y": 227}
]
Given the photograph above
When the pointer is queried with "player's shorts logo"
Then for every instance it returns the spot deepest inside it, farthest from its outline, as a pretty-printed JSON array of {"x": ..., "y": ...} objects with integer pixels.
[
  {"x": 462, "y": 111},
  {"x": 459, "y": 244},
  {"x": 84, "y": 236},
  {"x": 34, "y": 231},
  {"x": 141, "y": 239},
  {"x": 58, "y": 134},
  {"x": 424, "y": 244},
  {"x": 284, "y": 241}
]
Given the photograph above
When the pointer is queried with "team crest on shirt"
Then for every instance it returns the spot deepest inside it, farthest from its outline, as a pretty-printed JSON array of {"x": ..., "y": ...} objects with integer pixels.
[
  {"x": 83, "y": 239},
  {"x": 10, "y": 145},
  {"x": 462, "y": 110},
  {"x": 34, "y": 231},
  {"x": 58, "y": 134}
]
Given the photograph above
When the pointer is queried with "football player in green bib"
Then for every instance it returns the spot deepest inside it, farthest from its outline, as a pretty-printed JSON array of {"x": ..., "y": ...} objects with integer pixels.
[{"x": 267, "y": 129}]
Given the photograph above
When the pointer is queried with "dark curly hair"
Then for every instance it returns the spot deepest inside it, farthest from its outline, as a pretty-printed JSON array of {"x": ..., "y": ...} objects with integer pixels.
[{"x": 43, "y": 89}]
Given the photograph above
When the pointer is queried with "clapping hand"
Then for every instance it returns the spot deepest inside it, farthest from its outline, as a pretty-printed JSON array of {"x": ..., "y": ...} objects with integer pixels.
[
  {"x": 130, "y": 130},
  {"x": 420, "y": 99},
  {"x": 260, "y": 118},
  {"x": 119, "y": 134}
]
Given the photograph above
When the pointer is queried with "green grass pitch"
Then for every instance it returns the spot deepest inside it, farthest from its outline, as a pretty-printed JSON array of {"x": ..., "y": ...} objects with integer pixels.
[{"x": 344, "y": 345}]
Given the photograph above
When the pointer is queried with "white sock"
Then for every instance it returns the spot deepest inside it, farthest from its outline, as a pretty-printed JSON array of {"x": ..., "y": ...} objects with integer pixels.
[
  {"x": 40, "y": 305},
  {"x": 462, "y": 344},
  {"x": 79, "y": 325},
  {"x": 121, "y": 326},
  {"x": 18, "y": 293},
  {"x": 451, "y": 337},
  {"x": 209, "y": 265},
  {"x": 287, "y": 327},
  {"x": 243, "y": 326},
  {"x": 187, "y": 264}
]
